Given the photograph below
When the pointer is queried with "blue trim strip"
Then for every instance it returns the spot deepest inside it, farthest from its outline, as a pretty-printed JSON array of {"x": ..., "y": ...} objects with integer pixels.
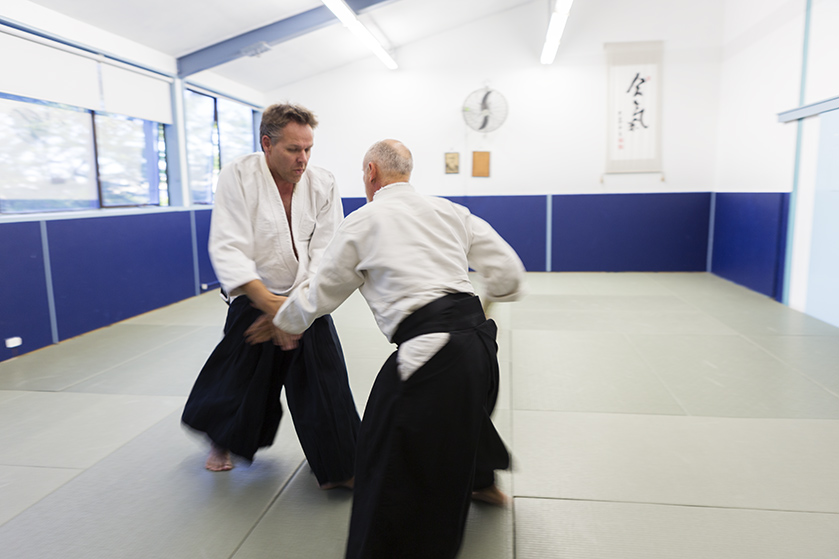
[
  {"x": 45, "y": 246},
  {"x": 549, "y": 233},
  {"x": 709, "y": 265},
  {"x": 783, "y": 232},
  {"x": 194, "y": 233}
]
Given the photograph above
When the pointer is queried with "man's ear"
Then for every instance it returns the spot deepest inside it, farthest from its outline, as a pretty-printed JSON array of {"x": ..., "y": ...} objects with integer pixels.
[{"x": 266, "y": 142}]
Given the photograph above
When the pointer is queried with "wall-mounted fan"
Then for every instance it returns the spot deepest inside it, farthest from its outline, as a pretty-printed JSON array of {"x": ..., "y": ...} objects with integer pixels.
[{"x": 485, "y": 110}]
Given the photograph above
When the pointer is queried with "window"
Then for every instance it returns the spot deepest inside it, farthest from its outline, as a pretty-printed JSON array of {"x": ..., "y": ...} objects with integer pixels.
[
  {"x": 57, "y": 158},
  {"x": 235, "y": 129},
  {"x": 46, "y": 158},
  {"x": 132, "y": 164},
  {"x": 201, "y": 146},
  {"x": 218, "y": 131}
]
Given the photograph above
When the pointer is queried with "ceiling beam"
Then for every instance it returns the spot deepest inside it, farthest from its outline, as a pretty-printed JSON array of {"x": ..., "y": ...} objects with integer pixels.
[{"x": 256, "y": 41}]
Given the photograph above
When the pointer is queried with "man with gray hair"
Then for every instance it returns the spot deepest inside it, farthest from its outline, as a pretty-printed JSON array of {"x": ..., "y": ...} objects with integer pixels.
[
  {"x": 272, "y": 219},
  {"x": 426, "y": 443}
]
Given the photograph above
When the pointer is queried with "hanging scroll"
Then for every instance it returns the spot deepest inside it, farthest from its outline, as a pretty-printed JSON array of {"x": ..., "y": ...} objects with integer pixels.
[{"x": 634, "y": 111}]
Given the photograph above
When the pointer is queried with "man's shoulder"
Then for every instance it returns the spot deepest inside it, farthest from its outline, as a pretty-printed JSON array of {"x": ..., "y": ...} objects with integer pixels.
[
  {"x": 444, "y": 204},
  {"x": 249, "y": 160},
  {"x": 362, "y": 217}
]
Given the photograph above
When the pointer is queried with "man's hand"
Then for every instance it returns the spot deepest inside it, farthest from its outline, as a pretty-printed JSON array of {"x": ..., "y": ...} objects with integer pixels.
[
  {"x": 263, "y": 330},
  {"x": 285, "y": 340},
  {"x": 263, "y": 299}
]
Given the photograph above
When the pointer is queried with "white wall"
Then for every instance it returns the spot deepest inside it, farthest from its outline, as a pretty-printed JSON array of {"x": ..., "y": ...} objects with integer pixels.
[
  {"x": 554, "y": 138},
  {"x": 761, "y": 77},
  {"x": 823, "y": 49}
]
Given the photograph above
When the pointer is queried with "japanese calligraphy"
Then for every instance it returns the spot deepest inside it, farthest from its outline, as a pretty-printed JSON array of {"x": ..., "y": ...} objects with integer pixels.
[{"x": 638, "y": 114}]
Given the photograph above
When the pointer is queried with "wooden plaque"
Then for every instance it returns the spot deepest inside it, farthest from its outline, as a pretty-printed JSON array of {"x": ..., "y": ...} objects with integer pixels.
[{"x": 480, "y": 163}]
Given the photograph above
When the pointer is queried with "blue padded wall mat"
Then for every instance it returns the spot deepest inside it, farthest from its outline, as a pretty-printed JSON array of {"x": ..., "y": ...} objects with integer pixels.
[
  {"x": 206, "y": 272},
  {"x": 111, "y": 268},
  {"x": 24, "y": 308},
  {"x": 521, "y": 220},
  {"x": 661, "y": 232},
  {"x": 749, "y": 239},
  {"x": 352, "y": 204}
]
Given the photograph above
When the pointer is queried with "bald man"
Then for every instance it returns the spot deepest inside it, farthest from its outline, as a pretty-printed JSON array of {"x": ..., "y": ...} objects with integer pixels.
[{"x": 426, "y": 443}]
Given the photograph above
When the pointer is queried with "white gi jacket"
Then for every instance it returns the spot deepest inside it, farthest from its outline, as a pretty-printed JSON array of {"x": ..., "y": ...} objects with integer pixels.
[
  {"x": 402, "y": 251},
  {"x": 249, "y": 233}
]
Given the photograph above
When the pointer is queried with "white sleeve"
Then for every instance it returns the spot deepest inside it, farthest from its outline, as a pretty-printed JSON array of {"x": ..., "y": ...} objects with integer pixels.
[
  {"x": 329, "y": 216},
  {"x": 231, "y": 243},
  {"x": 337, "y": 277},
  {"x": 495, "y": 261}
]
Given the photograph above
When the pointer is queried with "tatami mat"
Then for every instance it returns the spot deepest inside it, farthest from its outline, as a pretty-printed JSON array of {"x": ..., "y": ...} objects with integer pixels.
[
  {"x": 816, "y": 357},
  {"x": 153, "y": 498},
  {"x": 66, "y": 430},
  {"x": 168, "y": 370},
  {"x": 84, "y": 357},
  {"x": 585, "y": 371},
  {"x": 731, "y": 376},
  {"x": 771, "y": 464},
  {"x": 648, "y": 416},
  {"x": 559, "y": 529},
  {"x": 23, "y": 486}
]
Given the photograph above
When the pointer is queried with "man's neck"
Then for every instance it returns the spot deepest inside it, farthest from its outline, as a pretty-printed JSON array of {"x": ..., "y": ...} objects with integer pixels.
[{"x": 285, "y": 187}]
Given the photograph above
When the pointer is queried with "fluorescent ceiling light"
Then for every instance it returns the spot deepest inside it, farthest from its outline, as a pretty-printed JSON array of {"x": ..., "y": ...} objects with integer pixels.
[
  {"x": 350, "y": 21},
  {"x": 559, "y": 17}
]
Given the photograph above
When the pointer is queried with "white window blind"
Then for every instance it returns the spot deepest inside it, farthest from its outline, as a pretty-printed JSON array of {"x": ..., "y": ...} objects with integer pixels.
[{"x": 34, "y": 67}]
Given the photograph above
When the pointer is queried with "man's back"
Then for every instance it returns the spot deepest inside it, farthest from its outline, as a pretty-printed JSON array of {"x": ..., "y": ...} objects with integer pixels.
[{"x": 412, "y": 249}]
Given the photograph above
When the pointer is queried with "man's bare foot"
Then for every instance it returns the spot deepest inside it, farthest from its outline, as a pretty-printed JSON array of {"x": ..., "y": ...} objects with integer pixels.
[
  {"x": 219, "y": 460},
  {"x": 491, "y": 495},
  {"x": 348, "y": 484}
]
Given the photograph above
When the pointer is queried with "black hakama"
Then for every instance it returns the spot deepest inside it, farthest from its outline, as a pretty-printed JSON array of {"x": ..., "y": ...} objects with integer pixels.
[
  {"x": 236, "y": 398},
  {"x": 425, "y": 443}
]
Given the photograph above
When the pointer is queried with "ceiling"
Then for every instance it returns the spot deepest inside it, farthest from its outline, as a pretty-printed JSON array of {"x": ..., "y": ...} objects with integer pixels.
[{"x": 182, "y": 27}]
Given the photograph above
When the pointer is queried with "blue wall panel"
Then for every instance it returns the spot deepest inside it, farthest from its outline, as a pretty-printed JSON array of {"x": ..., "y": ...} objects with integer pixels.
[
  {"x": 24, "y": 308},
  {"x": 108, "y": 269},
  {"x": 352, "y": 204},
  {"x": 749, "y": 235},
  {"x": 521, "y": 220},
  {"x": 630, "y": 232},
  {"x": 206, "y": 273}
]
